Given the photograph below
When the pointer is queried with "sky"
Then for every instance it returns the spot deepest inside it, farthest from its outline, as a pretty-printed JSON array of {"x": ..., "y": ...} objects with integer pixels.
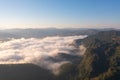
[{"x": 59, "y": 14}]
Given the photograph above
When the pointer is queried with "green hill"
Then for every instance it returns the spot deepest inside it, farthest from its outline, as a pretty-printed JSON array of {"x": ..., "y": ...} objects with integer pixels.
[{"x": 101, "y": 60}]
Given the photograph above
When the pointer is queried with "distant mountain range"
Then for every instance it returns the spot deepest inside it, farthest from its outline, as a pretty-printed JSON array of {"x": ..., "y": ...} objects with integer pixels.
[{"x": 40, "y": 33}]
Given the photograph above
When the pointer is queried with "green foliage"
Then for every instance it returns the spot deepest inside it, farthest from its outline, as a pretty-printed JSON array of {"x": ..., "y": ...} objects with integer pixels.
[
  {"x": 102, "y": 58},
  {"x": 67, "y": 71}
]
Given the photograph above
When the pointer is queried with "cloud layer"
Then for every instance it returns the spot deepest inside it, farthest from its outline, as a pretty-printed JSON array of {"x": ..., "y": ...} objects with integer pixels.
[{"x": 36, "y": 51}]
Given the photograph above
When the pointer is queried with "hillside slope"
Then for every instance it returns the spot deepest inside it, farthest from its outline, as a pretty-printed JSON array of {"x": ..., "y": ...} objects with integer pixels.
[
  {"x": 101, "y": 60},
  {"x": 24, "y": 72}
]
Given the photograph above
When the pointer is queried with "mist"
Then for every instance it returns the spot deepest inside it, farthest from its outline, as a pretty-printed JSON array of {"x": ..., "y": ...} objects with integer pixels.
[{"x": 38, "y": 51}]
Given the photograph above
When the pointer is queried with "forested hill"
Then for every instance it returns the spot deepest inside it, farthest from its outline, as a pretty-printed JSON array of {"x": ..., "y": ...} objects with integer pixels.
[
  {"x": 102, "y": 58},
  {"x": 103, "y": 37}
]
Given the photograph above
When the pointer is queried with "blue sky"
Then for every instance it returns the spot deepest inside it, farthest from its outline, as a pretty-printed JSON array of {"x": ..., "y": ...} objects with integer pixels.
[{"x": 59, "y": 13}]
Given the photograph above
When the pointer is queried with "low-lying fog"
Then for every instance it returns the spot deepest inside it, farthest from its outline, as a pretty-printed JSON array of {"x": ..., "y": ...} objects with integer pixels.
[{"x": 39, "y": 51}]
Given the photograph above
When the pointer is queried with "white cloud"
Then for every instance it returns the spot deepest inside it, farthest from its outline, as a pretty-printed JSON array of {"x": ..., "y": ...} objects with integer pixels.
[{"x": 35, "y": 50}]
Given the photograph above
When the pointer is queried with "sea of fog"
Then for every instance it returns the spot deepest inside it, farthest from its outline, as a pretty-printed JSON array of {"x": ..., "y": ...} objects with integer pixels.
[{"x": 39, "y": 50}]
